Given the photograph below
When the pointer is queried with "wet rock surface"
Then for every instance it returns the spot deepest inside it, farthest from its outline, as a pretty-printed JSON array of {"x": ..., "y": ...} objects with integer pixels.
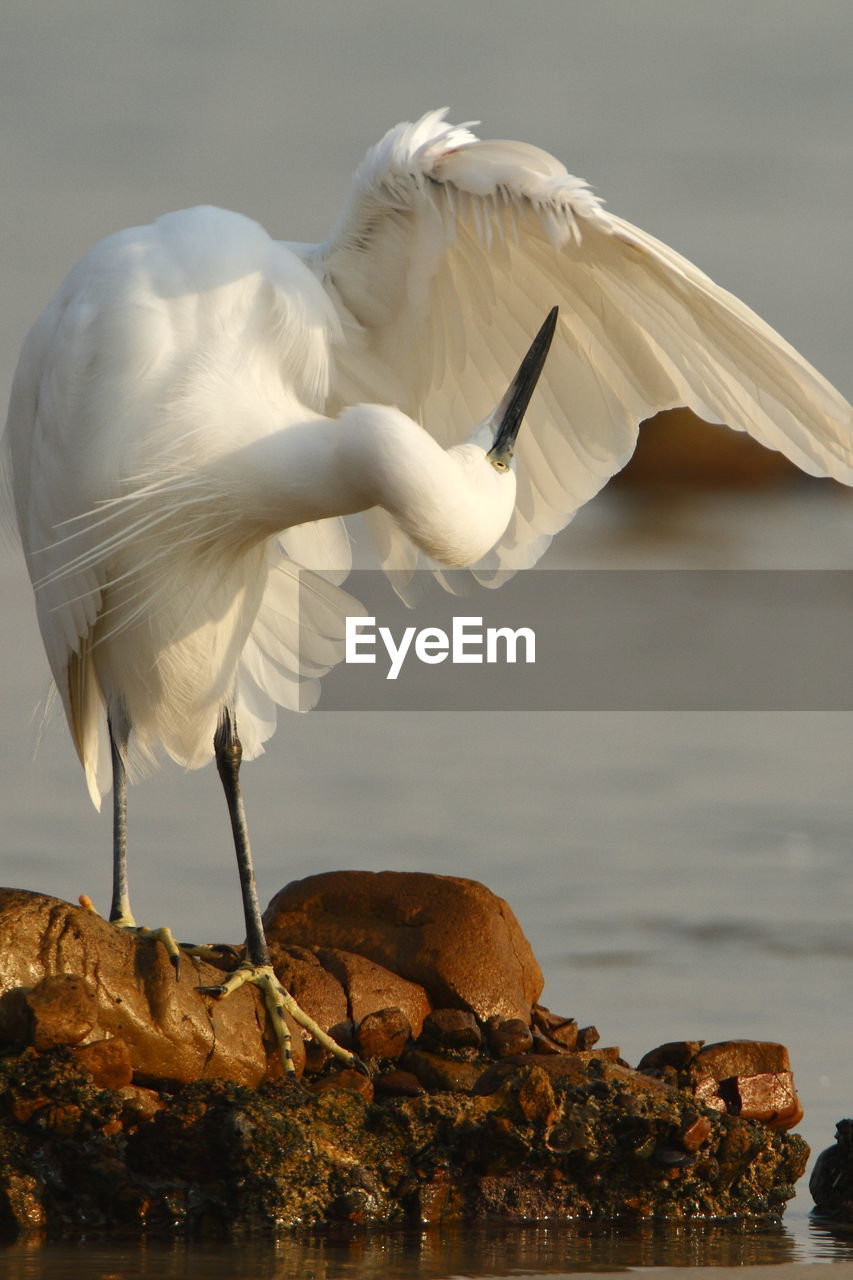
[
  {"x": 831, "y": 1183},
  {"x": 452, "y": 936},
  {"x": 130, "y": 1102}
]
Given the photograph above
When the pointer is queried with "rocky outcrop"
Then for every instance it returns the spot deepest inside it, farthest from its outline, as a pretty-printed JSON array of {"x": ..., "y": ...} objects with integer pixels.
[{"x": 129, "y": 1101}]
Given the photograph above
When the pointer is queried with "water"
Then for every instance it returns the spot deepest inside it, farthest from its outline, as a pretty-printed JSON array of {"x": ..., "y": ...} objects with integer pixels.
[
  {"x": 442, "y": 1255},
  {"x": 679, "y": 875}
]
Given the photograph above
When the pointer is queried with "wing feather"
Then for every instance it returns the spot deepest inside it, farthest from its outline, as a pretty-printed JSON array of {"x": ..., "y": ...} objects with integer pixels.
[{"x": 449, "y": 252}]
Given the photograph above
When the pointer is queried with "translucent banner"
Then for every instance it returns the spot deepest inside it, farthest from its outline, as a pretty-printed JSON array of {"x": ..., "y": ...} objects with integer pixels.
[{"x": 585, "y": 640}]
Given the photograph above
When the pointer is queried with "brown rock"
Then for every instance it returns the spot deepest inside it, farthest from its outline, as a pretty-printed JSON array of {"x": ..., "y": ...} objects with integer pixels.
[
  {"x": 740, "y": 1058},
  {"x": 535, "y": 1098},
  {"x": 452, "y": 1028},
  {"x": 348, "y": 1080},
  {"x": 603, "y": 1053},
  {"x": 544, "y": 1044},
  {"x": 63, "y": 1010},
  {"x": 587, "y": 1037},
  {"x": 707, "y": 1092},
  {"x": 399, "y": 1083},
  {"x": 675, "y": 1053},
  {"x": 562, "y": 1031},
  {"x": 107, "y": 1062},
  {"x": 560, "y": 1068},
  {"x": 383, "y": 1034},
  {"x": 441, "y": 1075},
  {"x": 571, "y": 1067},
  {"x": 748, "y": 1078},
  {"x": 509, "y": 1037},
  {"x": 770, "y": 1097},
  {"x": 139, "y": 1105},
  {"x": 370, "y": 986},
  {"x": 453, "y": 937},
  {"x": 170, "y": 1030},
  {"x": 696, "y": 1133}
]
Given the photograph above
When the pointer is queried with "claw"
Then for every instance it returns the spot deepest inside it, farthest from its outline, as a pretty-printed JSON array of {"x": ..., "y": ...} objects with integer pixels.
[
  {"x": 211, "y": 950},
  {"x": 279, "y": 1002},
  {"x": 127, "y": 922}
]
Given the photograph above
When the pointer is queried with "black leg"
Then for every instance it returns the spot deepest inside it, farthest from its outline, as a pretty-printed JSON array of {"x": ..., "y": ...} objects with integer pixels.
[
  {"x": 229, "y": 753},
  {"x": 257, "y": 968},
  {"x": 120, "y": 912}
]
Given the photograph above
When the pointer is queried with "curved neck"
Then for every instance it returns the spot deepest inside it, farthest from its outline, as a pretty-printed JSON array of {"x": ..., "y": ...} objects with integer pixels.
[{"x": 451, "y": 503}]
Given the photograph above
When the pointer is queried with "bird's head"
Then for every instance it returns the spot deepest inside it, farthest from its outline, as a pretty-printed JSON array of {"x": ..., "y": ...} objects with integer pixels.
[{"x": 486, "y": 458}]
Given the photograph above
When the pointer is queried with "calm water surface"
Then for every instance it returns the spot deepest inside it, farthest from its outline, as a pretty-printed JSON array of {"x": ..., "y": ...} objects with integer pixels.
[{"x": 446, "y": 1255}]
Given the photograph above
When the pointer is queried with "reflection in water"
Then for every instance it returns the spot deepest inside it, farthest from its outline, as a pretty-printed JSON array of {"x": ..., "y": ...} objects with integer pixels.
[{"x": 435, "y": 1254}]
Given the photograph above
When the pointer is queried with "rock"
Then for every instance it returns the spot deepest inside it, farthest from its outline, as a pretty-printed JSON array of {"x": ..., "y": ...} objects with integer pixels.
[
  {"x": 544, "y": 1044},
  {"x": 383, "y": 1034},
  {"x": 696, "y": 1133},
  {"x": 770, "y": 1097},
  {"x": 107, "y": 1062},
  {"x": 369, "y": 987},
  {"x": 63, "y": 1009},
  {"x": 831, "y": 1183},
  {"x": 740, "y": 1058},
  {"x": 572, "y": 1067},
  {"x": 567, "y": 1069},
  {"x": 171, "y": 1031},
  {"x": 452, "y": 1135},
  {"x": 535, "y": 1098},
  {"x": 676, "y": 1053},
  {"x": 400, "y": 1084},
  {"x": 452, "y": 1029},
  {"x": 138, "y": 1105},
  {"x": 451, "y": 936},
  {"x": 438, "y": 1074},
  {"x": 587, "y": 1038},
  {"x": 562, "y": 1031},
  {"x": 747, "y": 1078},
  {"x": 348, "y": 1080},
  {"x": 508, "y": 1037}
]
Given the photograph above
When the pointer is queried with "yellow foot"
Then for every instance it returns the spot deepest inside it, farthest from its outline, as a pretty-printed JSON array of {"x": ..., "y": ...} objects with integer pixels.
[
  {"x": 164, "y": 935},
  {"x": 279, "y": 1002}
]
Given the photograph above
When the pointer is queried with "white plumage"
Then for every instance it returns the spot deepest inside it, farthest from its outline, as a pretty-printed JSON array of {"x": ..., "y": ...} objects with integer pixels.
[
  {"x": 183, "y": 430},
  {"x": 169, "y": 347}
]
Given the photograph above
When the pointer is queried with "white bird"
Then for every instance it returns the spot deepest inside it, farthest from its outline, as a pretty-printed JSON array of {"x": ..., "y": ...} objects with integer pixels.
[{"x": 200, "y": 404}]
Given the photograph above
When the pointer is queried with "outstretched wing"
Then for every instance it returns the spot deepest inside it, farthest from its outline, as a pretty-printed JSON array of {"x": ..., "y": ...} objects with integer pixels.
[{"x": 448, "y": 254}]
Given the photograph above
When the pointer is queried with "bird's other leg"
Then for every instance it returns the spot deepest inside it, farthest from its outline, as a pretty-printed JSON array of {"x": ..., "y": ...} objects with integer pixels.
[
  {"x": 257, "y": 967},
  {"x": 120, "y": 913}
]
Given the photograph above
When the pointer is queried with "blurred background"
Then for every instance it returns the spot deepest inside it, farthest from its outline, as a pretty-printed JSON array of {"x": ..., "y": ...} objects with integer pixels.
[{"x": 679, "y": 875}]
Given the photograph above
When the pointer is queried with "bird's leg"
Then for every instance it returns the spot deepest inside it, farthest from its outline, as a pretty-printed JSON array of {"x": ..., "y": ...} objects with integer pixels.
[
  {"x": 120, "y": 913},
  {"x": 257, "y": 967}
]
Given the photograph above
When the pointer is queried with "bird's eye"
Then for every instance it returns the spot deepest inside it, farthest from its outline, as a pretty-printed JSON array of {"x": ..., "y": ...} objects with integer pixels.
[{"x": 499, "y": 464}]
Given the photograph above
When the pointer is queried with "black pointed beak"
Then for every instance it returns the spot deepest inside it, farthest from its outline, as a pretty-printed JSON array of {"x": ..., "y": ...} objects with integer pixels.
[{"x": 510, "y": 412}]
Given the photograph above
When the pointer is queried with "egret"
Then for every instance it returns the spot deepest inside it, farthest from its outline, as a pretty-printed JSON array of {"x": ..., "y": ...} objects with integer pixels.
[{"x": 200, "y": 405}]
